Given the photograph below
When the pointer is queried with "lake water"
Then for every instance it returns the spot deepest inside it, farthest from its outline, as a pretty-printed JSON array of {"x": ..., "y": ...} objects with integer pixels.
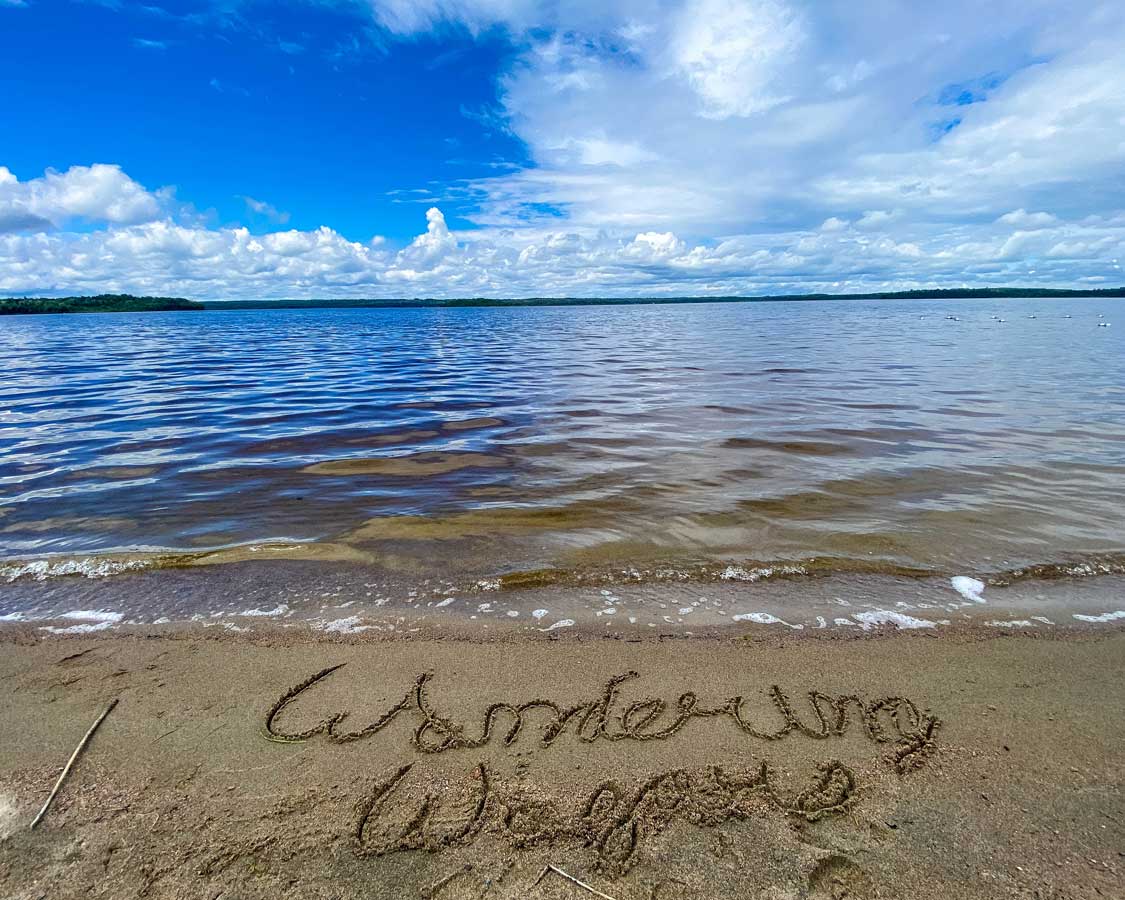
[{"x": 546, "y": 447}]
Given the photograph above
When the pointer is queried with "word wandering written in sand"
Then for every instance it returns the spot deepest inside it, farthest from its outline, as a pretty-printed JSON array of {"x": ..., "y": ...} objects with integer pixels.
[{"x": 610, "y": 716}]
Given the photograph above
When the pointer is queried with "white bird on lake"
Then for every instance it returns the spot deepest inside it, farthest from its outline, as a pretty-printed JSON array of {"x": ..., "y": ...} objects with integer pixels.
[{"x": 1103, "y": 324}]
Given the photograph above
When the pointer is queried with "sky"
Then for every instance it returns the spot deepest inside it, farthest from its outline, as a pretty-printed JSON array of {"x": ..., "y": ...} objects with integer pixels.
[{"x": 232, "y": 149}]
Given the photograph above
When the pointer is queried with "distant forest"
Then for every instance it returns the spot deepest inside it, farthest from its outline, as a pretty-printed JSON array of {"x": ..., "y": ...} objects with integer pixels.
[
  {"x": 100, "y": 303},
  {"x": 130, "y": 303},
  {"x": 631, "y": 301}
]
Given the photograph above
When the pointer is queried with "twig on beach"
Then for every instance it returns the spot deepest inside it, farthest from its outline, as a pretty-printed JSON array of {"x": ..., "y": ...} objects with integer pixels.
[
  {"x": 432, "y": 890},
  {"x": 66, "y": 770},
  {"x": 572, "y": 880}
]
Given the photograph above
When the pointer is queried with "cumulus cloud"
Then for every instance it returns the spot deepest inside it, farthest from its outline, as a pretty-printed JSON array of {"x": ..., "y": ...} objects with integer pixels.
[
  {"x": 163, "y": 257},
  {"x": 428, "y": 249},
  {"x": 1021, "y": 218},
  {"x": 689, "y": 146},
  {"x": 877, "y": 218},
  {"x": 97, "y": 193},
  {"x": 735, "y": 109},
  {"x": 730, "y": 52}
]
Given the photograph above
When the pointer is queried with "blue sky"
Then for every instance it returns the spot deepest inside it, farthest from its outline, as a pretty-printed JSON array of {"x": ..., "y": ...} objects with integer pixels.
[
  {"x": 226, "y": 148},
  {"x": 268, "y": 100}
]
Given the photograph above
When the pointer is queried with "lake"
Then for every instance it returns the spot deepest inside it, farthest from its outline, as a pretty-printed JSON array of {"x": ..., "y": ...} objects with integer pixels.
[{"x": 538, "y": 447}]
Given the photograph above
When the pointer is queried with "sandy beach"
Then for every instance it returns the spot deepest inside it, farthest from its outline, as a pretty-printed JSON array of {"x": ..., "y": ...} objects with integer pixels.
[{"x": 287, "y": 764}]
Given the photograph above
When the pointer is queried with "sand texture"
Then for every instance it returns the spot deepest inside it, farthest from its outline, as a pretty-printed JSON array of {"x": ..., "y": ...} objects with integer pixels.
[{"x": 291, "y": 767}]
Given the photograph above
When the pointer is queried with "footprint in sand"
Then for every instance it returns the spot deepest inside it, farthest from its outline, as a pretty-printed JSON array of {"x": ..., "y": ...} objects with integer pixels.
[{"x": 835, "y": 877}]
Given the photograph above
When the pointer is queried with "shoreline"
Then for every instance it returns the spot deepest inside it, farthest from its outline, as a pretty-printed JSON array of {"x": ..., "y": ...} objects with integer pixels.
[
  {"x": 345, "y": 600},
  {"x": 552, "y": 751},
  {"x": 111, "y": 303}
]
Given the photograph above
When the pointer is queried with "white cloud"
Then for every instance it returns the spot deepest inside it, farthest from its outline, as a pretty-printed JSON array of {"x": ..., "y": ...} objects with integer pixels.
[
  {"x": 690, "y": 146},
  {"x": 877, "y": 218},
  {"x": 426, "y": 250},
  {"x": 730, "y": 52},
  {"x": 98, "y": 193},
  {"x": 162, "y": 257},
  {"x": 267, "y": 210},
  {"x": 713, "y": 117},
  {"x": 1021, "y": 218}
]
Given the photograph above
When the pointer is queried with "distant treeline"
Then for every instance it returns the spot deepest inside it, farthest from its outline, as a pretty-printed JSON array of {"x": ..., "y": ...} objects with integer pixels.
[
  {"x": 628, "y": 301},
  {"x": 100, "y": 303},
  {"x": 129, "y": 303}
]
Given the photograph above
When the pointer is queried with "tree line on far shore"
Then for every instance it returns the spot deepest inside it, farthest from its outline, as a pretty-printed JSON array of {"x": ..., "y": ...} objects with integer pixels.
[
  {"x": 100, "y": 303},
  {"x": 131, "y": 303}
]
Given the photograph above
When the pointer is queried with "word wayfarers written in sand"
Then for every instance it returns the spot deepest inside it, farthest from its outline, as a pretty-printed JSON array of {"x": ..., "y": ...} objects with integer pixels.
[{"x": 612, "y": 820}]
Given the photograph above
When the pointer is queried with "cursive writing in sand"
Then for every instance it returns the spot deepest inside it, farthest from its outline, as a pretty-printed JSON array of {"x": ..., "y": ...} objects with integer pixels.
[
  {"x": 403, "y": 814},
  {"x": 611, "y": 716}
]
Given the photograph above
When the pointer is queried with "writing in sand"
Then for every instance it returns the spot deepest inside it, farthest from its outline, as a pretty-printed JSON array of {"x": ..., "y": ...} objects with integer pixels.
[{"x": 611, "y": 716}]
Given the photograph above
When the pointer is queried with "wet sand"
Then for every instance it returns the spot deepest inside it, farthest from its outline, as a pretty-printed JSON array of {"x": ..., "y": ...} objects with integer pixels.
[{"x": 956, "y": 764}]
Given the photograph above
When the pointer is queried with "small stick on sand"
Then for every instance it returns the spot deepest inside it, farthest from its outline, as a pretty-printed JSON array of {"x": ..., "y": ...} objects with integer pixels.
[
  {"x": 572, "y": 879},
  {"x": 432, "y": 890},
  {"x": 66, "y": 770}
]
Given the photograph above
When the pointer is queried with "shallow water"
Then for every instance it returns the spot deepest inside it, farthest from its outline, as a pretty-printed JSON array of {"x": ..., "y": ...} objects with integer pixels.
[{"x": 568, "y": 444}]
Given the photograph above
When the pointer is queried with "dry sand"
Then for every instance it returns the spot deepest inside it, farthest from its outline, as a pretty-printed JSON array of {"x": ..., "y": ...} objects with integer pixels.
[{"x": 937, "y": 767}]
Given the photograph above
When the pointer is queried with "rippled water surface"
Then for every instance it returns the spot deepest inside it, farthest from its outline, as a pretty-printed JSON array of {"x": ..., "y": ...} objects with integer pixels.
[{"x": 872, "y": 436}]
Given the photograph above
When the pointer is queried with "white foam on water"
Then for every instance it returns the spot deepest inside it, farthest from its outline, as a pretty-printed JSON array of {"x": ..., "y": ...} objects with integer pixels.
[
  {"x": 349, "y": 625},
  {"x": 14, "y": 617},
  {"x": 280, "y": 610},
  {"x": 163, "y": 620},
  {"x": 76, "y": 629},
  {"x": 686, "y": 610},
  {"x": 873, "y": 618},
  {"x": 1011, "y": 623},
  {"x": 445, "y": 602},
  {"x": 492, "y": 585},
  {"x": 512, "y": 613},
  {"x": 538, "y": 614},
  {"x": 484, "y": 607},
  {"x": 764, "y": 619},
  {"x": 90, "y": 567},
  {"x": 738, "y": 573},
  {"x": 93, "y": 615},
  {"x": 92, "y": 620},
  {"x": 969, "y": 588},
  {"x": 869, "y": 620},
  {"x": 1104, "y": 617},
  {"x": 1043, "y": 619},
  {"x": 561, "y": 623}
]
